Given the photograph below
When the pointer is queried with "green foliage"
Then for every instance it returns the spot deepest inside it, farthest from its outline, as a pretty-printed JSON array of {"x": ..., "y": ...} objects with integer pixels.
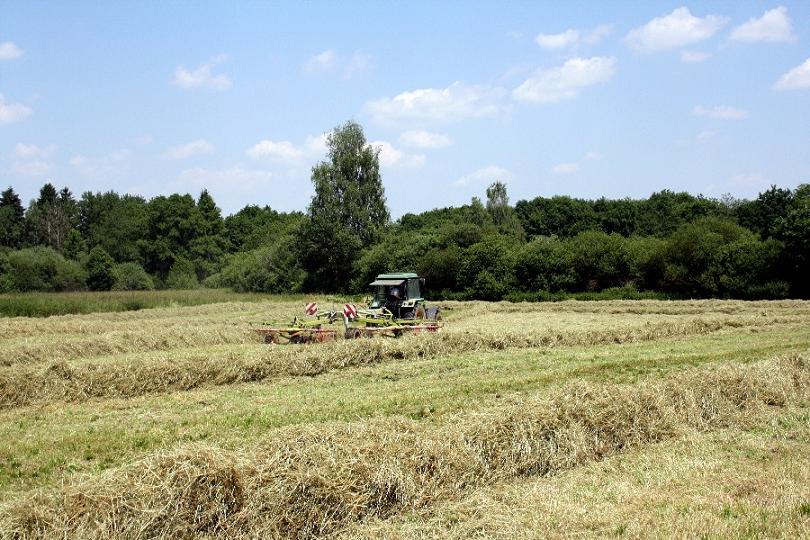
[
  {"x": 501, "y": 214},
  {"x": 51, "y": 217},
  {"x": 270, "y": 269},
  {"x": 99, "y": 270},
  {"x": 42, "y": 269},
  {"x": 674, "y": 243},
  {"x": 486, "y": 269},
  {"x": 182, "y": 275},
  {"x": 347, "y": 212},
  {"x": 545, "y": 264},
  {"x": 131, "y": 276},
  {"x": 600, "y": 260},
  {"x": 557, "y": 216},
  {"x": 36, "y": 304},
  {"x": 253, "y": 227},
  {"x": 716, "y": 257},
  {"x": 12, "y": 220}
]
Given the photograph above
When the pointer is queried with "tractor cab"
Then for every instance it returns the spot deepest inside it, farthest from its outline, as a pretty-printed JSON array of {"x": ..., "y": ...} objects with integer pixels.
[{"x": 400, "y": 294}]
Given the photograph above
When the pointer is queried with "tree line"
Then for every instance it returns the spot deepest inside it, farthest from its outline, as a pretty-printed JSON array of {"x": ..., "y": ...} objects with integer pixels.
[{"x": 672, "y": 244}]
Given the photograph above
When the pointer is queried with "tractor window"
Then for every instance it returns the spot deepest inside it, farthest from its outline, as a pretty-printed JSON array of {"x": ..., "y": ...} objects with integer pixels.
[{"x": 413, "y": 289}]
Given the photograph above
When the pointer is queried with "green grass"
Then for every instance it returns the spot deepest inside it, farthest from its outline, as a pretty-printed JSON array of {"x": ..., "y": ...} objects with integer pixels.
[
  {"x": 48, "y": 304},
  {"x": 39, "y": 444},
  {"x": 57, "y": 440}
]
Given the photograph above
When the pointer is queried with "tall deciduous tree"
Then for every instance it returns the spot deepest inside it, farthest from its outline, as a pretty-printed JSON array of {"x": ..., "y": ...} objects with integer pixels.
[
  {"x": 51, "y": 217},
  {"x": 503, "y": 215},
  {"x": 348, "y": 211}
]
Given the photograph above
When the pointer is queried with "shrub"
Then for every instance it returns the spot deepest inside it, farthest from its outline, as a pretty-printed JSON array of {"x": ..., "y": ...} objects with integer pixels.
[
  {"x": 42, "y": 269},
  {"x": 100, "y": 270},
  {"x": 545, "y": 264},
  {"x": 487, "y": 268},
  {"x": 131, "y": 277},
  {"x": 182, "y": 275},
  {"x": 273, "y": 269}
]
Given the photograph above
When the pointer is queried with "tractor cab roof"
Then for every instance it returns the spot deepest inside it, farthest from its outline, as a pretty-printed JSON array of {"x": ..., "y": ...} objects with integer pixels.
[{"x": 393, "y": 279}]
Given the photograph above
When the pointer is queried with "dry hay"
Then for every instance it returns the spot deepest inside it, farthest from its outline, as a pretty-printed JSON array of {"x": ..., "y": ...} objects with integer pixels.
[
  {"x": 307, "y": 482},
  {"x": 62, "y": 381}
]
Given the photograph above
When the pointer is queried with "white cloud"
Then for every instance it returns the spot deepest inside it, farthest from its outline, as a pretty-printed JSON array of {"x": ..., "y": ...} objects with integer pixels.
[
  {"x": 320, "y": 62},
  {"x": 31, "y": 168},
  {"x": 487, "y": 175},
  {"x": 203, "y": 76},
  {"x": 720, "y": 112},
  {"x": 565, "y": 168},
  {"x": 573, "y": 37},
  {"x": 12, "y": 112},
  {"x": 29, "y": 151},
  {"x": 558, "y": 41},
  {"x": 112, "y": 164},
  {"x": 10, "y": 51},
  {"x": 314, "y": 146},
  {"x": 774, "y": 26},
  {"x": 393, "y": 157},
  {"x": 274, "y": 149},
  {"x": 425, "y": 139},
  {"x": 675, "y": 30},
  {"x": 565, "y": 82},
  {"x": 796, "y": 79},
  {"x": 454, "y": 103},
  {"x": 330, "y": 61},
  {"x": 184, "y": 151},
  {"x": 694, "y": 57},
  {"x": 574, "y": 166}
]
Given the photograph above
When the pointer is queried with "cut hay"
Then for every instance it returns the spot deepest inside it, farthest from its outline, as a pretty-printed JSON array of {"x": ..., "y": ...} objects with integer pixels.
[
  {"x": 307, "y": 482},
  {"x": 76, "y": 382}
]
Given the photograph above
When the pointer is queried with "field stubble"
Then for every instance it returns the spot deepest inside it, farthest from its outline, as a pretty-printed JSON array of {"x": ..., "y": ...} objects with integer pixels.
[{"x": 317, "y": 478}]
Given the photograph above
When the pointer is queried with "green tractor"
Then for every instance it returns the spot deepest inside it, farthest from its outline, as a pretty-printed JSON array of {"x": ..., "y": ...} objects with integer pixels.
[{"x": 401, "y": 295}]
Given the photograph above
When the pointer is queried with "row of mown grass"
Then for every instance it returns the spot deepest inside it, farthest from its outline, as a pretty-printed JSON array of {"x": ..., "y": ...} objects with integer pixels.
[
  {"x": 312, "y": 481},
  {"x": 41, "y": 443},
  {"x": 743, "y": 481},
  {"x": 22, "y": 385}
]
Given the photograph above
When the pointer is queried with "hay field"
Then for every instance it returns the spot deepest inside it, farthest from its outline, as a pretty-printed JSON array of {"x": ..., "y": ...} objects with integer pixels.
[{"x": 569, "y": 419}]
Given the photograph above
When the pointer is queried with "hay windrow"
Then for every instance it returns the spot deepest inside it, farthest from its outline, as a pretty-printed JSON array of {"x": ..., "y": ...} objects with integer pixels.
[
  {"x": 61, "y": 381},
  {"x": 306, "y": 482}
]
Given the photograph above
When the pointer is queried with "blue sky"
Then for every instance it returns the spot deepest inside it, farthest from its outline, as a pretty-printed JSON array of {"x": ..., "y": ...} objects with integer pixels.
[{"x": 587, "y": 99}]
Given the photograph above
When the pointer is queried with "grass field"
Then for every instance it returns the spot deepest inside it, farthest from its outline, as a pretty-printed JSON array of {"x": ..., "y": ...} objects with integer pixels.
[{"x": 529, "y": 420}]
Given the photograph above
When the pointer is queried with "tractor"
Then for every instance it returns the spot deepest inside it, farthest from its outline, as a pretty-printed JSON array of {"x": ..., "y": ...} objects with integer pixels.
[
  {"x": 396, "y": 308},
  {"x": 401, "y": 294}
]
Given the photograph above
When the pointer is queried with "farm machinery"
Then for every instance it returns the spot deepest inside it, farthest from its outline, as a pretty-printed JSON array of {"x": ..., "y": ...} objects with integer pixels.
[{"x": 396, "y": 308}]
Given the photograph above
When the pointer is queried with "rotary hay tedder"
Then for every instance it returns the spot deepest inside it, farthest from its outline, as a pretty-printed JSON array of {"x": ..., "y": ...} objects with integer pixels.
[{"x": 396, "y": 309}]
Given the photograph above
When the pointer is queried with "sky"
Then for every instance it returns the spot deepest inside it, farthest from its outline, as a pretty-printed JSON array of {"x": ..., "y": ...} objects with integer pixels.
[{"x": 587, "y": 99}]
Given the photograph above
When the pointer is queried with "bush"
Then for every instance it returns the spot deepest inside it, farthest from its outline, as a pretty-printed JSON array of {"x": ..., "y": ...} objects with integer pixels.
[
  {"x": 100, "y": 270},
  {"x": 272, "y": 269},
  {"x": 487, "y": 268},
  {"x": 131, "y": 277},
  {"x": 600, "y": 260},
  {"x": 182, "y": 275},
  {"x": 42, "y": 269},
  {"x": 545, "y": 264}
]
